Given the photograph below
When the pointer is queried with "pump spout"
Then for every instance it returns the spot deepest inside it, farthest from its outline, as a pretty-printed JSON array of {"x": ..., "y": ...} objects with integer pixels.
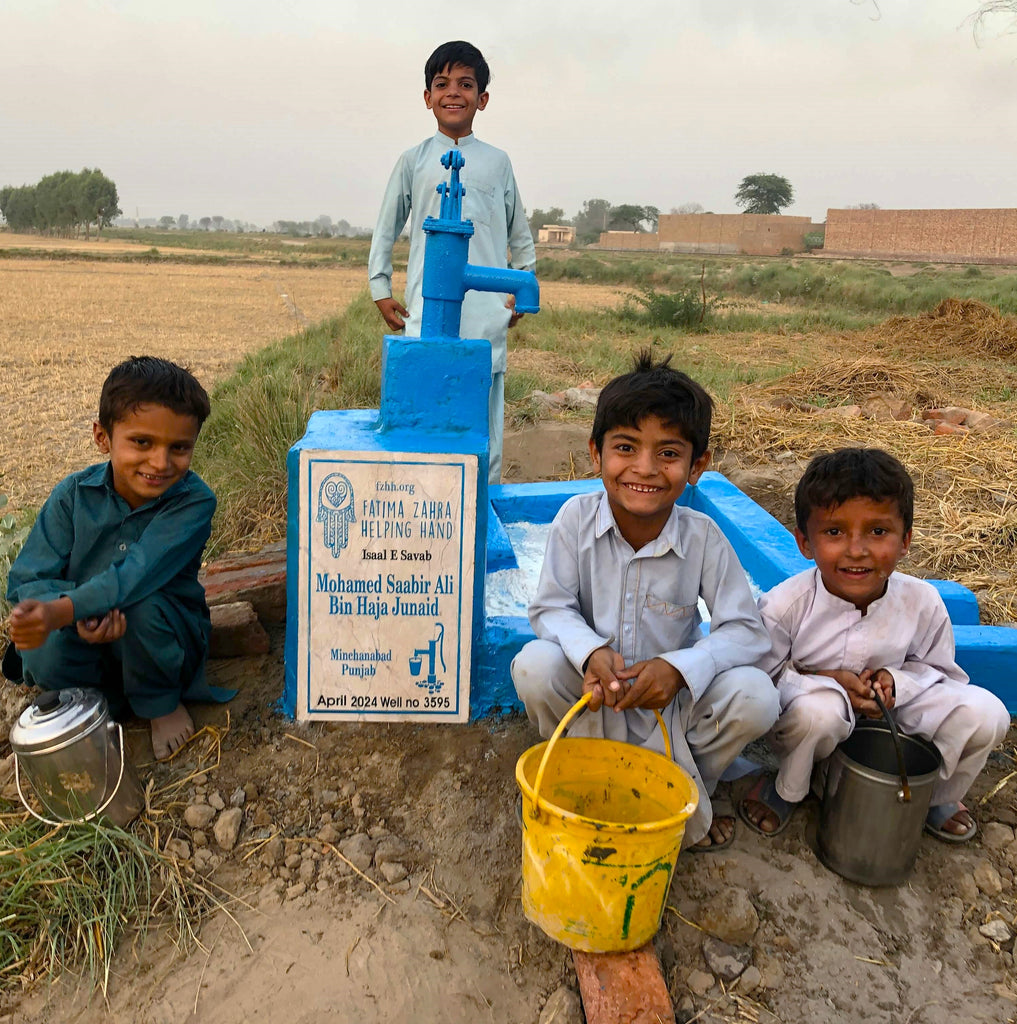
[{"x": 520, "y": 283}]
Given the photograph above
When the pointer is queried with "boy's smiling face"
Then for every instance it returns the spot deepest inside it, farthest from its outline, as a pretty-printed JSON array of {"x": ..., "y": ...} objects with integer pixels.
[
  {"x": 150, "y": 449},
  {"x": 856, "y": 545},
  {"x": 455, "y": 99},
  {"x": 645, "y": 469}
]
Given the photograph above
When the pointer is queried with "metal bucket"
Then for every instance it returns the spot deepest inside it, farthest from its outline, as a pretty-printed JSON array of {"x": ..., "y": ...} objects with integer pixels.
[
  {"x": 868, "y": 832},
  {"x": 73, "y": 755}
]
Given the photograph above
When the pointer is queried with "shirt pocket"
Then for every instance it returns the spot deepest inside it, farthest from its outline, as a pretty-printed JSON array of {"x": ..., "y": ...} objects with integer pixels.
[
  {"x": 668, "y": 610},
  {"x": 478, "y": 202}
]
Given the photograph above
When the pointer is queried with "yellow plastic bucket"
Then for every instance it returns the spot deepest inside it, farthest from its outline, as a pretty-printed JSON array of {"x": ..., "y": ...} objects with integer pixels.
[{"x": 603, "y": 822}]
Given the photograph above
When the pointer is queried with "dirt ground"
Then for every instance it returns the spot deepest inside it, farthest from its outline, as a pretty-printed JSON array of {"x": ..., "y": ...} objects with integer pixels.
[{"x": 310, "y": 939}]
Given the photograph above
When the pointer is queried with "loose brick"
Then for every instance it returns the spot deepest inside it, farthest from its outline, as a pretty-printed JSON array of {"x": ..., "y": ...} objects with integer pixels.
[
  {"x": 623, "y": 988},
  {"x": 946, "y": 427},
  {"x": 236, "y": 631},
  {"x": 951, "y": 414},
  {"x": 259, "y": 578}
]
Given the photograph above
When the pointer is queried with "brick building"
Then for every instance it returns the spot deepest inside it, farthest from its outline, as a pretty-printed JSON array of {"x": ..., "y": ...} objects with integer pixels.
[
  {"x": 955, "y": 236},
  {"x": 751, "y": 234}
]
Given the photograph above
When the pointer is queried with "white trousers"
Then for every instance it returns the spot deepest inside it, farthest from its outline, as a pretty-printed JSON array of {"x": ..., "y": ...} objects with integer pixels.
[
  {"x": 964, "y": 722},
  {"x": 739, "y": 705}
]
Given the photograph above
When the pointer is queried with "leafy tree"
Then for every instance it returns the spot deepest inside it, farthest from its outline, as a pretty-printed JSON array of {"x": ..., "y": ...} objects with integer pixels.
[
  {"x": 61, "y": 202},
  {"x": 205, "y": 223},
  {"x": 591, "y": 220},
  {"x": 688, "y": 208},
  {"x": 56, "y": 202},
  {"x": 166, "y": 222},
  {"x": 183, "y": 221},
  {"x": 764, "y": 193},
  {"x": 627, "y": 217},
  {"x": 18, "y": 207},
  {"x": 864, "y": 206},
  {"x": 537, "y": 219},
  {"x": 99, "y": 200}
]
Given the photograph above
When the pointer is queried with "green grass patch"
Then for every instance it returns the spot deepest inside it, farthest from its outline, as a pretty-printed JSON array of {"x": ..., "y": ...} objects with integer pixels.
[{"x": 69, "y": 894}]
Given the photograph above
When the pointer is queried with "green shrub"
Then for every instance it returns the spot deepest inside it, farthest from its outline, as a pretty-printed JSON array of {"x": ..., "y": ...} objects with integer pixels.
[
  {"x": 12, "y": 536},
  {"x": 687, "y": 310}
]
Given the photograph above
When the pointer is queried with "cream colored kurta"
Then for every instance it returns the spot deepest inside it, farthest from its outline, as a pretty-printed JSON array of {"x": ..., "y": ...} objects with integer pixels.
[{"x": 908, "y": 632}]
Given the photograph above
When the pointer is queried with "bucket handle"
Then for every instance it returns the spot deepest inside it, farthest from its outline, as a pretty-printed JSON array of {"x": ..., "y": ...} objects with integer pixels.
[
  {"x": 562, "y": 725},
  {"x": 91, "y": 814},
  {"x": 904, "y": 796}
]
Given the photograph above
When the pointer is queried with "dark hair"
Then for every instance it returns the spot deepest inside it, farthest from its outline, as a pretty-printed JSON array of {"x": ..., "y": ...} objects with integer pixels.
[
  {"x": 142, "y": 380},
  {"x": 830, "y": 480},
  {"x": 448, "y": 55},
  {"x": 654, "y": 389}
]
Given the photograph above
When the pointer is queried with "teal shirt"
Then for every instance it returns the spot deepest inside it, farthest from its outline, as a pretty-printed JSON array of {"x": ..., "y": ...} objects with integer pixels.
[{"x": 89, "y": 545}]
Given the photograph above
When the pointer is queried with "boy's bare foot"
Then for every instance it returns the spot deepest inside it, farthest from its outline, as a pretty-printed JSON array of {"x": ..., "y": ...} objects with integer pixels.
[
  {"x": 719, "y": 837},
  {"x": 170, "y": 732}
]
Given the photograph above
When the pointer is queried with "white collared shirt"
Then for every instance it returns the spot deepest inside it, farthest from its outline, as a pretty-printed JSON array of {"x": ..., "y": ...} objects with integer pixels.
[
  {"x": 907, "y": 631},
  {"x": 595, "y": 591}
]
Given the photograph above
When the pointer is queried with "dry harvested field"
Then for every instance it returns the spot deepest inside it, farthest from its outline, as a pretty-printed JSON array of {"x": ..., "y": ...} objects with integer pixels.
[{"x": 63, "y": 323}]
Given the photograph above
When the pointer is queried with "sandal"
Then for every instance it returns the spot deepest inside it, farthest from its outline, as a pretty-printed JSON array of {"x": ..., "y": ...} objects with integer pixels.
[
  {"x": 764, "y": 792},
  {"x": 939, "y": 815}
]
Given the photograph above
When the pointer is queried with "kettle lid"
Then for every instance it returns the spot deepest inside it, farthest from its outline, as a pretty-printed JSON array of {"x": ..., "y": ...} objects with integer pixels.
[{"x": 57, "y": 717}]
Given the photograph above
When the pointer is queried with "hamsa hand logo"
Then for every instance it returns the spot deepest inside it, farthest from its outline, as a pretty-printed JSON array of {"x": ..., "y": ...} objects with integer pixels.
[{"x": 335, "y": 511}]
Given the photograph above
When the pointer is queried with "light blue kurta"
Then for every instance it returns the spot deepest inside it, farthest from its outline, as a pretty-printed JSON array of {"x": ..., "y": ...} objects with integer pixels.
[{"x": 501, "y": 234}]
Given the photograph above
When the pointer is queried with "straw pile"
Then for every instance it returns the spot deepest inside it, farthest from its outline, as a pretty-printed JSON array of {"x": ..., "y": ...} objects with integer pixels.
[
  {"x": 955, "y": 326},
  {"x": 965, "y": 486}
]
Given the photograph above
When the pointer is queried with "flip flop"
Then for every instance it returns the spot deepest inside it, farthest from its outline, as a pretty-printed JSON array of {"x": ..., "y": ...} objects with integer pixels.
[
  {"x": 764, "y": 792},
  {"x": 939, "y": 815}
]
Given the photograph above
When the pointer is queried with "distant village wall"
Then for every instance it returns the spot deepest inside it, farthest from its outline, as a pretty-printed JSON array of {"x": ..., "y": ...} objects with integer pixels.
[
  {"x": 988, "y": 236},
  {"x": 755, "y": 234},
  {"x": 629, "y": 240}
]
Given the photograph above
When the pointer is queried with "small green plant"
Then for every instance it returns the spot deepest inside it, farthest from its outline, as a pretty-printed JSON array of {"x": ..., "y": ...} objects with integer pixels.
[
  {"x": 814, "y": 240},
  {"x": 686, "y": 310},
  {"x": 12, "y": 536}
]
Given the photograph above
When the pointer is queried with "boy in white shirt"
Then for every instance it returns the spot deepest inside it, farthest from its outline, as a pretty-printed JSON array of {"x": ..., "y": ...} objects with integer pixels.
[
  {"x": 852, "y": 625},
  {"x": 616, "y": 606}
]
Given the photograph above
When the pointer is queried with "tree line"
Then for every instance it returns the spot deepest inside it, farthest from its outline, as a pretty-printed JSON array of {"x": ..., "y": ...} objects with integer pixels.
[
  {"x": 757, "y": 193},
  {"x": 61, "y": 203}
]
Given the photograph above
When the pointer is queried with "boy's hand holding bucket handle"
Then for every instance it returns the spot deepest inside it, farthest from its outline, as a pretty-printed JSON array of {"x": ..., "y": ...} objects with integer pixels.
[{"x": 858, "y": 688}]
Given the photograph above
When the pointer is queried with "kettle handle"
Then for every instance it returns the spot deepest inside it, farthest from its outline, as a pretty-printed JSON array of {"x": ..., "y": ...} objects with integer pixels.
[{"x": 90, "y": 815}]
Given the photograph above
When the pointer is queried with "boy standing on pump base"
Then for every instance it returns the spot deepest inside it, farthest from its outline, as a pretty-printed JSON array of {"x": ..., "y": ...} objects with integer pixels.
[
  {"x": 455, "y": 89},
  {"x": 106, "y": 585},
  {"x": 852, "y": 626},
  {"x": 616, "y": 611}
]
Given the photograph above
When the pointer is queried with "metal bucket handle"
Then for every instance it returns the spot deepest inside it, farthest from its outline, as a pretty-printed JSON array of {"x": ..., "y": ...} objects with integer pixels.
[
  {"x": 556, "y": 735},
  {"x": 904, "y": 795},
  {"x": 91, "y": 814}
]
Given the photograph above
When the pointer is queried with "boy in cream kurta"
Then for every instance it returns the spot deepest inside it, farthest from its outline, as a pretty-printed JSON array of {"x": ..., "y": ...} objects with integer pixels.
[{"x": 853, "y": 625}]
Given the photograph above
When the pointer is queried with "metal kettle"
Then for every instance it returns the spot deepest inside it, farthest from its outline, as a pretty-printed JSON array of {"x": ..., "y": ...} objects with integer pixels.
[{"x": 73, "y": 755}]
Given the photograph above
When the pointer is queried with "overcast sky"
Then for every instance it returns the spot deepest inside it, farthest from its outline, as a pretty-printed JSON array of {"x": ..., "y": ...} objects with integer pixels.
[{"x": 286, "y": 109}]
